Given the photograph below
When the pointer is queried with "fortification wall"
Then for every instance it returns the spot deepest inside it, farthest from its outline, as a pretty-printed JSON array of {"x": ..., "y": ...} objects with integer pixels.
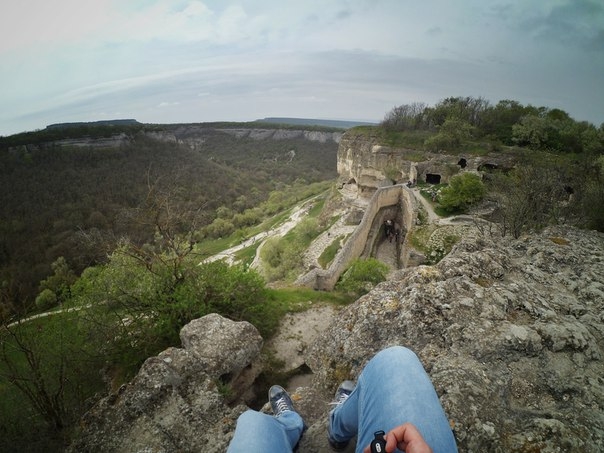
[{"x": 399, "y": 195}]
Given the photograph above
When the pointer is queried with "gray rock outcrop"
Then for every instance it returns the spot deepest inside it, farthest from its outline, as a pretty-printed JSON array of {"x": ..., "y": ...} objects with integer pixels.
[
  {"x": 510, "y": 331},
  {"x": 174, "y": 404}
]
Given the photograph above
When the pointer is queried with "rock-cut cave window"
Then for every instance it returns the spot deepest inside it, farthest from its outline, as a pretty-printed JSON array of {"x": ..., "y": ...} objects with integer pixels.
[
  {"x": 462, "y": 163},
  {"x": 432, "y": 178}
]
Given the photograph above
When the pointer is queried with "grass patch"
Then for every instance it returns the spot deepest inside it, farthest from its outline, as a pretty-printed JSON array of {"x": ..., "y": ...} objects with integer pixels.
[
  {"x": 297, "y": 299},
  {"x": 246, "y": 256},
  {"x": 395, "y": 139},
  {"x": 317, "y": 207},
  {"x": 477, "y": 148},
  {"x": 406, "y": 139},
  {"x": 442, "y": 212},
  {"x": 331, "y": 251},
  {"x": 419, "y": 237},
  {"x": 209, "y": 247},
  {"x": 213, "y": 246}
]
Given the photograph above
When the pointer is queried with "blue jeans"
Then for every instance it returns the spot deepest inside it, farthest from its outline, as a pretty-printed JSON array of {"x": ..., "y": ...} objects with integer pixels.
[
  {"x": 262, "y": 433},
  {"x": 393, "y": 389}
]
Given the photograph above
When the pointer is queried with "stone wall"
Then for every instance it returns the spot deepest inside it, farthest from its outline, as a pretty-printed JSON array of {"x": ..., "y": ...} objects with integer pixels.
[{"x": 399, "y": 196}]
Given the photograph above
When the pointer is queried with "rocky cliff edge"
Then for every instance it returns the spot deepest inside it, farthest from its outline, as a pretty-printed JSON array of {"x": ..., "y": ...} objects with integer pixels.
[{"x": 510, "y": 331}]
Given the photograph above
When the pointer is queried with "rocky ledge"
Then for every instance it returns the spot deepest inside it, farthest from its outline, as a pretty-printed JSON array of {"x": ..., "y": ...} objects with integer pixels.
[{"x": 510, "y": 331}]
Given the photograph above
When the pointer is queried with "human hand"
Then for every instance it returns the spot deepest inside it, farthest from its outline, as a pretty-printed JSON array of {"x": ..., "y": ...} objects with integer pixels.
[{"x": 406, "y": 438}]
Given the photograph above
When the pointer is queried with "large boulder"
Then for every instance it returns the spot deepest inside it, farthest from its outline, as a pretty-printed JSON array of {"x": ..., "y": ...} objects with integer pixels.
[{"x": 174, "y": 403}]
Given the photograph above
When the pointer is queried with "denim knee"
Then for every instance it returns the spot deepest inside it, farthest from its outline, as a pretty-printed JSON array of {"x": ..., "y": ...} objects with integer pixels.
[{"x": 395, "y": 354}]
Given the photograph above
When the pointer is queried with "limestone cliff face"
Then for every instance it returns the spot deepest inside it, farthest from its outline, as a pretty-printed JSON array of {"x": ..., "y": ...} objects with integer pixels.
[
  {"x": 510, "y": 331},
  {"x": 195, "y": 135},
  {"x": 114, "y": 141},
  {"x": 365, "y": 164}
]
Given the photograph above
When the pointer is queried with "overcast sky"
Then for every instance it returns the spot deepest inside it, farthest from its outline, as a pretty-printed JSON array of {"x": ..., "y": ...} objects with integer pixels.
[{"x": 166, "y": 61}]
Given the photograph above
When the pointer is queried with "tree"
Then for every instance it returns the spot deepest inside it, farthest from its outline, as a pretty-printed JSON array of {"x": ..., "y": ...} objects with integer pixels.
[
  {"x": 529, "y": 198},
  {"x": 499, "y": 120},
  {"x": 53, "y": 366},
  {"x": 405, "y": 117},
  {"x": 592, "y": 142},
  {"x": 531, "y": 131},
  {"x": 55, "y": 288},
  {"x": 469, "y": 110},
  {"x": 591, "y": 195},
  {"x": 451, "y": 135},
  {"x": 46, "y": 299},
  {"x": 463, "y": 191}
]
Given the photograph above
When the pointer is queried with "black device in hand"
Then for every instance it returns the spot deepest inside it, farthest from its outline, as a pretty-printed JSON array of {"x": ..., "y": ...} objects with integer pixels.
[{"x": 378, "y": 444}]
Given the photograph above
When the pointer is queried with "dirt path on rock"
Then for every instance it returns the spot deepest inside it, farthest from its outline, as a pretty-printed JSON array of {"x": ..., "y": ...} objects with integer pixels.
[
  {"x": 432, "y": 216},
  {"x": 296, "y": 332}
]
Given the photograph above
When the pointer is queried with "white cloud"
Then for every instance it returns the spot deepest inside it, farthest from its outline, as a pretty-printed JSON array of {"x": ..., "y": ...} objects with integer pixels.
[
  {"x": 167, "y": 104},
  {"x": 70, "y": 59},
  {"x": 27, "y": 24}
]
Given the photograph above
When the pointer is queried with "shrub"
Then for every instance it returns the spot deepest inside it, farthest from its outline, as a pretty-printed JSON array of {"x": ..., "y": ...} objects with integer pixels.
[
  {"x": 440, "y": 244},
  {"x": 46, "y": 299},
  {"x": 307, "y": 230},
  {"x": 463, "y": 191},
  {"x": 362, "y": 275}
]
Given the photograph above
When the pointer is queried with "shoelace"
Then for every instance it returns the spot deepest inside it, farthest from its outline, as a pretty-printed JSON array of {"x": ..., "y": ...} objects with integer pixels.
[
  {"x": 343, "y": 397},
  {"x": 282, "y": 406}
]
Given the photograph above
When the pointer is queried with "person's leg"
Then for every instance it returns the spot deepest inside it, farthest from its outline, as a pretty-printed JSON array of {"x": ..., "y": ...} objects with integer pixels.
[
  {"x": 260, "y": 433},
  {"x": 393, "y": 389}
]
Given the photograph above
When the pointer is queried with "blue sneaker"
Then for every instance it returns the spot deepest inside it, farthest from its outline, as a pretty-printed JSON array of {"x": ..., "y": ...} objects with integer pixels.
[
  {"x": 342, "y": 394},
  {"x": 280, "y": 400}
]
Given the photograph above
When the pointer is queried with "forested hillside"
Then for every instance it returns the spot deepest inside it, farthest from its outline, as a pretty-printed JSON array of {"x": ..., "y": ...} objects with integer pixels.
[{"x": 76, "y": 202}]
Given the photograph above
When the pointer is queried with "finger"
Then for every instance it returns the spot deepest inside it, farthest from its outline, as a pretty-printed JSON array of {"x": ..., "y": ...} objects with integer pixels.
[{"x": 392, "y": 442}]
